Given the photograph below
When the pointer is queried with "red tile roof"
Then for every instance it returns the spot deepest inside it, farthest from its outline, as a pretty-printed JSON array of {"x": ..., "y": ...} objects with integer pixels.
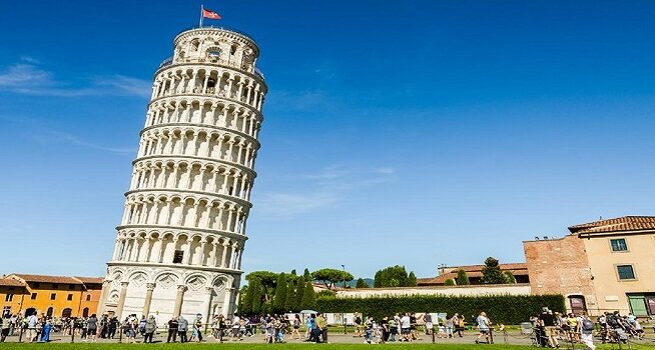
[
  {"x": 90, "y": 280},
  {"x": 45, "y": 279},
  {"x": 622, "y": 224},
  {"x": 517, "y": 269},
  {"x": 10, "y": 282}
]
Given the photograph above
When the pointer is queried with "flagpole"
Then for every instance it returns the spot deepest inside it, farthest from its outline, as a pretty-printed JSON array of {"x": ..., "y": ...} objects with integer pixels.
[{"x": 201, "y": 13}]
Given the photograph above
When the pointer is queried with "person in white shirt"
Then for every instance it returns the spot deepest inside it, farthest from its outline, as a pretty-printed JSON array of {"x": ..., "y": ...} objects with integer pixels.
[
  {"x": 405, "y": 327},
  {"x": 32, "y": 322},
  {"x": 483, "y": 327}
]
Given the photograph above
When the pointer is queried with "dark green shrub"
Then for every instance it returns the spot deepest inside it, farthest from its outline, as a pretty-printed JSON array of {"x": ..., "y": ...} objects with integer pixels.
[{"x": 508, "y": 309}]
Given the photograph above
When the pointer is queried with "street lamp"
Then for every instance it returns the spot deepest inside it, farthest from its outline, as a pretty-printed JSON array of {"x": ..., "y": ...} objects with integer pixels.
[{"x": 343, "y": 316}]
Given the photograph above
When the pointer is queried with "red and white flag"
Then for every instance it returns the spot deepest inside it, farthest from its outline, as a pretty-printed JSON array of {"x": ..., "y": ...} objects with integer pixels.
[{"x": 210, "y": 14}]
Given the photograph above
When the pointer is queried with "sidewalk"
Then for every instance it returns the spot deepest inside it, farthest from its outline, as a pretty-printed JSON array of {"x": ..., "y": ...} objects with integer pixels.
[{"x": 469, "y": 338}]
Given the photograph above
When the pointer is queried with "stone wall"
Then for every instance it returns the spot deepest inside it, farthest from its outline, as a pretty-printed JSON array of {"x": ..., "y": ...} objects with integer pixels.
[
  {"x": 560, "y": 266},
  {"x": 471, "y": 290}
]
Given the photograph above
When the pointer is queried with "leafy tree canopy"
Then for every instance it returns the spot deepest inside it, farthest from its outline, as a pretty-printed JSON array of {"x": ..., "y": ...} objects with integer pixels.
[
  {"x": 462, "y": 278},
  {"x": 329, "y": 277},
  {"x": 491, "y": 272}
]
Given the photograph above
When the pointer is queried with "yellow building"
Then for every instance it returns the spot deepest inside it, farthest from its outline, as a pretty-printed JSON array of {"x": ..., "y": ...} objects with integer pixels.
[
  {"x": 12, "y": 295},
  {"x": 621, "y": 257},
  {"x": 55, "y": 296},
  {"x": 600, "y": 266}
]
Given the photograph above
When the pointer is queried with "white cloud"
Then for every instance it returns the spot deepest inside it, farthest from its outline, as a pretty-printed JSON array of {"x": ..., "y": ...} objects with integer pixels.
[
  {"x": 127, "y": 85},
  {"x": 384, "y": 170},
  {"x": 49, "y": 136},
  {"x": 28, "y": 78},
  {"x": 326, "y": 188}
]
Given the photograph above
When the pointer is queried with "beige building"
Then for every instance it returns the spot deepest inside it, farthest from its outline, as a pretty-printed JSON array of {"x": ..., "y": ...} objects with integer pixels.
[{"x": 600, "y": 266}]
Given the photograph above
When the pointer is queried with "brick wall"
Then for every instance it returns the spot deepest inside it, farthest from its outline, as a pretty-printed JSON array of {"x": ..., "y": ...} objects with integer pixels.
[{"x": 560, "y": 266}]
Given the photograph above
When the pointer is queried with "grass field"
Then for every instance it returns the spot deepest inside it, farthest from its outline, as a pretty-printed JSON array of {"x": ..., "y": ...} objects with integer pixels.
[{"x": 241, "y": 346}]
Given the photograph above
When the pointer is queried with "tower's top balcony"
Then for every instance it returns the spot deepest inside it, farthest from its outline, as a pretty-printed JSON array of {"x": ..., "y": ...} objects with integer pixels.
[{"x": 219, "y": 45}]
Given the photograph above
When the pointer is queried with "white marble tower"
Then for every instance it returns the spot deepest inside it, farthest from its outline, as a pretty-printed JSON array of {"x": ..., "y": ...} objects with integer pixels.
[{"x": 180, "y": 241}]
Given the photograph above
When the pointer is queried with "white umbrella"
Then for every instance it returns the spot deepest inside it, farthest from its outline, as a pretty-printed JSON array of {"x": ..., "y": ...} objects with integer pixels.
[{"x": 308, "y": 312}]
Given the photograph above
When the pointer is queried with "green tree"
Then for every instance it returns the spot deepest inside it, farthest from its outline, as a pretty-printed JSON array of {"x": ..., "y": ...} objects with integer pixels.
[
  {"x": 330, "y": 277},
  {"x": 491, "y": 272},
  {"x": 361, "y": 283},
  {"x": 462, "y": 278},
  {"x": 289, "y": 301},
  {"x": 300, "y": 290},
  {"x": 508, "y": 277},
  {"x": 308, "y": 297},
  {"x": 377, "y": 280},
  {"x": 392, "y": 276},
  {"x": 257, "y": 298},
  {"x": 245, "y": 300},
  {"x": 307, "y": 275},
  {"x": 280, "y": 294},
  {"x": 411, "y": 280},
  {"x": 449, "y": 282}
]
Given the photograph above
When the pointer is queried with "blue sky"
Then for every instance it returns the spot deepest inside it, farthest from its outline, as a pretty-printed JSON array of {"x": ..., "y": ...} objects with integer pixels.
[{"x": 412, "y": 133}]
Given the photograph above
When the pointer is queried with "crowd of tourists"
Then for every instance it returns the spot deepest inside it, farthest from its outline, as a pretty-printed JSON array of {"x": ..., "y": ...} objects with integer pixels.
[
  {"x": 549, "y": 328},
  {"x": 552, "y": 327}
]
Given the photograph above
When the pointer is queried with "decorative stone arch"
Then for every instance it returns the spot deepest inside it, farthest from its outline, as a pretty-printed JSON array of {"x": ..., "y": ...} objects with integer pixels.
[
  {"x": 166, "y": 279},
  {"x": 195, "y": 281},
  {"x": 139, "y": 278}
]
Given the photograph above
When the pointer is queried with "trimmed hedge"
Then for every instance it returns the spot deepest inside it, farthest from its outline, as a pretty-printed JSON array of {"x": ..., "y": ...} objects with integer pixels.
[{"x": 507, "y": 309}]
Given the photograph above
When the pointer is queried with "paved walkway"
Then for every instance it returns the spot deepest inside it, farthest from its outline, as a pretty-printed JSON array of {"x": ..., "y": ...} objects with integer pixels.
[{"x": 469, "y": 338}]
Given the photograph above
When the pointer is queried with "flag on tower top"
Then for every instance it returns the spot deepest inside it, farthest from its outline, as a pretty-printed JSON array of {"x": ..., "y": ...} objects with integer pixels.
[{"x": 210, "y": 14}]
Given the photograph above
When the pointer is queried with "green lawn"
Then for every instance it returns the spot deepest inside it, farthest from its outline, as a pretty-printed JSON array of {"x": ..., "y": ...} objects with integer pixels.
[{"x": 241, "y": 346}]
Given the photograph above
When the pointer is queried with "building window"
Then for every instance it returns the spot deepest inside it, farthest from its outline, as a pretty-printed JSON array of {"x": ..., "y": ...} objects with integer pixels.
[
  {"x": 618, "y": 245},
  {"x": 53, "y": 296},
  {"x": 33, "y": 297},
  {"x": 177, "y": 258},
  {"x": 626, "y": 272},
  {"x": 70, "y": 297},
  {"x": 9, "y": 297},
  {"x": 88, "y": 297}
]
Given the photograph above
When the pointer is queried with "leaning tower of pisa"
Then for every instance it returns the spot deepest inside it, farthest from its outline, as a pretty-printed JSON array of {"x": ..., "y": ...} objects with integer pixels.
[{"x": 179, "y": 244}]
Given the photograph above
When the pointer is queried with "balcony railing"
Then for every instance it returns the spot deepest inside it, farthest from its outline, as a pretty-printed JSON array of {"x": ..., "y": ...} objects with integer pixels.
[
  {"x": 218, "y": 27},
  {"x": 259, "y": 72},
  {"x": 166, "y": 62}
]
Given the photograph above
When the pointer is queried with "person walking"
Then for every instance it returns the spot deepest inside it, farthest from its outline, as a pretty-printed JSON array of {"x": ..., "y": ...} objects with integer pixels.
[
  {"x": 5, "y": 327},
  {"x": 321, "y": 323},
  {"x": 197, "y": 328},
  {"x": 548, "y": 321},
  {"x": 587, "y": 332},
  {"x": 150, "y": 328},
  {"x": 45, "y": 331},
  {"x": 483, "y": 326},
  {"x": 91, "y": 327},
  {"x": 296, "y": 327}
]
